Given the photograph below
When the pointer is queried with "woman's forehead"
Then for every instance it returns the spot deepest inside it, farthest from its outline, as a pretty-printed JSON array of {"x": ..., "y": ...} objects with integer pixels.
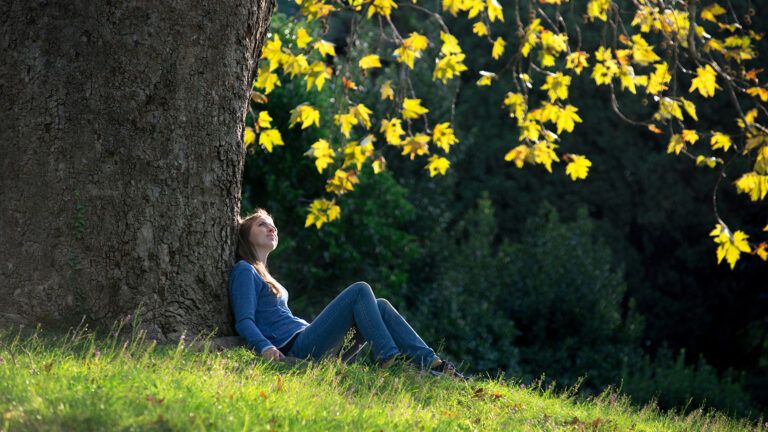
[{"x": 265, "y": 218}]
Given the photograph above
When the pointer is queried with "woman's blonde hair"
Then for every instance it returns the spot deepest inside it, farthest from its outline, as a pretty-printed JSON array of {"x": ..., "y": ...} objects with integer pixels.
[{"x": 247, "y": 252}]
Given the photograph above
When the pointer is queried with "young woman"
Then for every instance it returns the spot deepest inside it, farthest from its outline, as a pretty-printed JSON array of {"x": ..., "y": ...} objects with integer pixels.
[{"x": 263, "y": 319}]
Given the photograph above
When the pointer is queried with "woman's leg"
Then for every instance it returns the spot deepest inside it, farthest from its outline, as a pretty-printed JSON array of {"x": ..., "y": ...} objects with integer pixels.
[
  {"x": 405, "y": 337},
  {"x": 356, "y": 305}
]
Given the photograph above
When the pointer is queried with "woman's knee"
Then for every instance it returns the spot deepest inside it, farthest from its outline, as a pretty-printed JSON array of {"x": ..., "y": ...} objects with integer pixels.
[
  {"x": 361, "y": 288},
  {"x": 384, "y": 305}
]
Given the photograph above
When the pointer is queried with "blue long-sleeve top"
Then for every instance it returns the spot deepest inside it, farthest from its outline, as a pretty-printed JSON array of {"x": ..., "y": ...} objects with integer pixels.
[{"x": 261, "y": 318}]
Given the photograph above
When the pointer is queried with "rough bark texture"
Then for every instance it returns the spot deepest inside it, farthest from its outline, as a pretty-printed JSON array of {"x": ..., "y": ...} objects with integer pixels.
[{"x": 121, "y": 158}]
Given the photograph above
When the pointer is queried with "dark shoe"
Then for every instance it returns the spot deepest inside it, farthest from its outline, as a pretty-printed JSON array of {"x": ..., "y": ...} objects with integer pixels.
[{"x": 446, "y": 368}]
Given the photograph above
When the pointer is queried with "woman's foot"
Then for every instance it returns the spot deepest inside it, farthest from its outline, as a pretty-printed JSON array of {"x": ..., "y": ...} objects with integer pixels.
[{"x": 445, "y": 368}]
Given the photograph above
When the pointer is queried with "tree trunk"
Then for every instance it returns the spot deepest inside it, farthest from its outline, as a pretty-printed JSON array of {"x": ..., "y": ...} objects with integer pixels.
[{"x": 121, "y": 158}]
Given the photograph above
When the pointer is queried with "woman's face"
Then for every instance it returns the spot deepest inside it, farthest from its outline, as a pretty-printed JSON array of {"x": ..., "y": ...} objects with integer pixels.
[{"x": 263, "y": 235}]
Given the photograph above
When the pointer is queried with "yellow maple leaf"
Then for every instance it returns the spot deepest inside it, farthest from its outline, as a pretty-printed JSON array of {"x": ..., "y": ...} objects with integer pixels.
[
  {"x": 453, "y": 6},
  {"x": 646, "y": 17},
  {"x": 355, "y": 5},
  {"x": 269, "y": 138},
  {"x": 709, "y": 12},
  {"x": 393, "y": 131},
  {"x": 386, "y": 91},
  {"x": 346, "y": 121},
  {"x": 627, "y": 78},
  {"x": 302, "y": 37},
  {"x": 720, "y": 140},
  {"x": 708, "y": 161},
  {"x": 557, "y": 86},
  {"x": 316, "y": 75},
  {"x": 412, "y": 108},
  {"x": 760, "y": 92},
  {"x": 443, "y": 136},
  {"x": 606, "y": 68},
  {"x": 479, "y": 29},
  {"x": 356, "y": 153},
  {"x": 369, "y": 62},
  {"x": 437, "y": 164},
  {"x": 363, "y": 114},
  {"x": 547, "y": 112},
  {"x": 676, "y": 144},
  {"x": 754, "y": 184},
  {"x": 273, "y": 52},
  {"x": 249, "y": 136},
  {"x": 730, "y": 246},
  {"x": 381, "y": 7},
  {"x": 577, "y": 61},
  {"x": 294, "y": 65},
  {"x": 552, "y": 44},
  {"x": 530, "y": 130},
  {"x": 411, "y": 49},
  {"x": 602, "y": 54},
  {"x": 306, "y": 114},
  {"x": 416, "y": 145},
  {"x": 379, "y": 165},
  {"x": 450, "y": 44},
  {"x": 668, "y": 108},
  {"x": 266, "y": 81},
  {"x": 761, "y": 251},
  {"x": 531, "y": 37},
  {"x": 761, "y": 161},
  {"x": 473, "y": 7},
  {"x": 486, "y": 78},
  {"x": 314, "y": 9},
  {"x": 690, "y": 136},
  {"x": 705, "y": 81},
  {"x": 517, "y": 155},
  {"x": 322, "y": 211},
  {"x": 544, "y": 154},
  {"x": 578, "y": 167},
  {"x": 623, "y": 56},
  {"x": 325, "y": 48},
  {"x": 323, "y": 153},
  {"x": 516, "y": 104},
  {"x": 689, "y": 107},
  {"x": 749, "y": 118},
  {"x": 659, "y": 78},
  {"x": 498, "y": 48},
  {"x": 342, "y": 182},
  {"x": 449, "y": 66},
  {"x": 598, "y": 9},
  {"x": 495, "y": 11},
  {"x": 567, "y": 119},
  {"x": 264, "y": 120},
  {"x": 642, "y": 53}
]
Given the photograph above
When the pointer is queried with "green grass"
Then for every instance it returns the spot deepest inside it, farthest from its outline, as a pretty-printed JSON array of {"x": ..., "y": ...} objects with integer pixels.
[{"x": 83, "y": 382}]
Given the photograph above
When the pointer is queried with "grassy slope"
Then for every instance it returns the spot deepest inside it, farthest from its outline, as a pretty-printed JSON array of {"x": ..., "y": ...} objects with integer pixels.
[{"x": 84, "y": 383}]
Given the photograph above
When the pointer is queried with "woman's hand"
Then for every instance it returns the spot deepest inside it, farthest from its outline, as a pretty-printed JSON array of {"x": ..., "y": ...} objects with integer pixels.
[{"x": 272, "y": 354}]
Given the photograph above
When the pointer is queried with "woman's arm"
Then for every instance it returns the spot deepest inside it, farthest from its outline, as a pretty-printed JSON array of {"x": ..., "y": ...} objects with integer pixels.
[{"x": 244, "y": 289}]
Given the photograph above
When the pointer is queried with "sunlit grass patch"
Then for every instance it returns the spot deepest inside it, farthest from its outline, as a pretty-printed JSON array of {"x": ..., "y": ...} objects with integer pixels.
[{"x": 84, "y": 382}]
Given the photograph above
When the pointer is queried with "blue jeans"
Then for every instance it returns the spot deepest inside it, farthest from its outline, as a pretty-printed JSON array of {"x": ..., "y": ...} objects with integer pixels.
[{"x": 376, "y": 320}]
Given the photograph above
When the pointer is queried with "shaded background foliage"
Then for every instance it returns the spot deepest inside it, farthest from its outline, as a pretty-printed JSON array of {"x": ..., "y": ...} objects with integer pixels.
[{"x": 612, "y": 279}]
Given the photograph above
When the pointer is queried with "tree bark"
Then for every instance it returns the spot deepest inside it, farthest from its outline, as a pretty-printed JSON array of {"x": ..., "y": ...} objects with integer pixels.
[{"x": 121, "y": 157}]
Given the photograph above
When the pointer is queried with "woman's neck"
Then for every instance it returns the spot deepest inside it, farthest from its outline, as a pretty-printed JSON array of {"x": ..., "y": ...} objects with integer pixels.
[{"x": 262, "y": 256}]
